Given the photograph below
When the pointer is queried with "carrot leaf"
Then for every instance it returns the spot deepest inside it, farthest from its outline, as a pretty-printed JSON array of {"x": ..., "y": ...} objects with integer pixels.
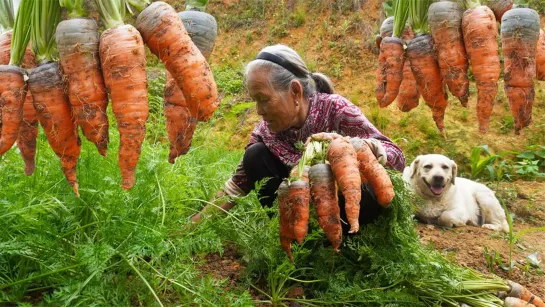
[
  {"x": 136, "y": 6},
  {"x": 197, "y": 5},
  {"x": 401, "y": 13},
  {"x": 74, "y": 8},
  {"x": 112, "y": 12},
  {"x": 471, "y": 4},
  {"x": 46, "y": 15},
  {"x": 21, "y": 32},
  {"x": 418, "y": 15},
  {"x": 6, "y": 15}
]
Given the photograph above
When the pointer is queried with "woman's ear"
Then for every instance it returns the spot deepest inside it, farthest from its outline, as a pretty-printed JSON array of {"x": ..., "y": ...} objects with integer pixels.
[{"x": 296, "y": 90}]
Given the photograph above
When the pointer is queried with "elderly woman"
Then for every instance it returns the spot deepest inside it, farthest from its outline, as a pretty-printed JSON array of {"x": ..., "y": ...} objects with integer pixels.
[{"x": 296, "y": 105}]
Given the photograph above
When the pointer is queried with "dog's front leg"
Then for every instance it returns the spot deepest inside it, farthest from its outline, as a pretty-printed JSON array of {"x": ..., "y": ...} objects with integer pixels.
[{"x": 452, "y": 218}]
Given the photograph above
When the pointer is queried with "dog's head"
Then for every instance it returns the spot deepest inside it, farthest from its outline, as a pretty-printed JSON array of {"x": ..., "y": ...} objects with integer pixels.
[{"x": 432, "y": 174}]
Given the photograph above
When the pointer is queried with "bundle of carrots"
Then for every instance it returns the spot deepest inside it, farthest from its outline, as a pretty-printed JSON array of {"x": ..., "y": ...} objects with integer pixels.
[
  {"x": 458, "y": 39},
  {"x": 344, "y": 163}
]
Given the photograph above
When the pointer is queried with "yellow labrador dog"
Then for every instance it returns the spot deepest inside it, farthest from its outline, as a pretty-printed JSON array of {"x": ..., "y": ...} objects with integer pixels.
[{"x": 449, "y": 200}]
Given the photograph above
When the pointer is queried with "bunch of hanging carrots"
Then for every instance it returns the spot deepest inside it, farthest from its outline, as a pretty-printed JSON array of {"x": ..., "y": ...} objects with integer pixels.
[
  {"x": 326, "y": 167},
  {"x": 444, "y": 38},
  {"x": 65, "y": 80}
]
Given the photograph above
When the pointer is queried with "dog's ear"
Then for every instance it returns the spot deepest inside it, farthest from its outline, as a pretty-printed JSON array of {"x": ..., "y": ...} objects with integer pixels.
[
  {"x": 454, "y": 169},
  {"x": 414, "y": 166}
]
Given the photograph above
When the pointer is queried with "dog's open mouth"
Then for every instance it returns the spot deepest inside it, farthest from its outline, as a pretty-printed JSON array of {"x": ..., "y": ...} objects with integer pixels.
[{"x": 435, "y": 189}]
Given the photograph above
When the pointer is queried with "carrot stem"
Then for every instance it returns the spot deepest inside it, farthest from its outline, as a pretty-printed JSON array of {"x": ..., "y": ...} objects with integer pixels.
[
  {"x": 46, "y": 16},
  {"x": 196, "y": 5},
  {"x": 471, "y": 4},
  {"x": 401, "y": 13},
  {"x": 418, "y": 16},
  {"x": 138, "y": 5},
  {"x": 74, "y": 8},
  {"x": 112, "y": 12},
  {"x": 6, "y": 15},
  {"x": 21, "y": 32}
]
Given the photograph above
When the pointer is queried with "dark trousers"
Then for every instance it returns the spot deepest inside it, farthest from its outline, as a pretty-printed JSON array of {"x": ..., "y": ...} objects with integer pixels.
[{"x": 259, "y": 163}]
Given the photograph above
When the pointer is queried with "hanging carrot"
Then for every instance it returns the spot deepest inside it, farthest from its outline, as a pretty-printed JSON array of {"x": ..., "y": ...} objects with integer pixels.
[
  {"x": 77, "y": 41},
  {"x": 391, "y": 59},
  {"x": 445, "y": 19},
  {"x": 180, "y": 123},
  {"x": 123, "y": 60},
  {"x": 13, "y": 87},
  {"x": 165, "y": 35},
  {"x": 409, "y": 95},
  {"x": 519, "y": 35},
  {"x": 47, "y": 86},
  {"x": 480, "y": 38}
]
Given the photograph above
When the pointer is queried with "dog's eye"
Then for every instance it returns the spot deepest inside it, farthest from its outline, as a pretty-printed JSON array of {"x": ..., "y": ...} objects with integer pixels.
[
  {"x": 445, "y": 167},
  {"x": 427, "y": 166}
]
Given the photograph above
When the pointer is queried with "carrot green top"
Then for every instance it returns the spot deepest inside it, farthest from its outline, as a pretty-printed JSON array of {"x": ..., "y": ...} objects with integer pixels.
[
  {"x": 401, "y": 13},
  {"x": 74, "y": 8},
  {"x": 112, "y": 12},
  {"x": 21, "y": 32},
  {"x": 418, "y": 16},
  {"x": 196, "y": 4},
  {"x": 46, "y": 17},
  {"x": 471, "y": 4},
  {"x": 6, "y": 15},
  {"x": 138, "y": 5}
]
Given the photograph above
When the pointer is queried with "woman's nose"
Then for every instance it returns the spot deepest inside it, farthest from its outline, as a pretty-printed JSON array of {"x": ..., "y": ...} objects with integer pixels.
[{"x": 260, "y": 110}]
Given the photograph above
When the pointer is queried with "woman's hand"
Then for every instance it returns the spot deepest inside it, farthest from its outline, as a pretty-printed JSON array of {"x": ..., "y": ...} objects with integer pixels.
[
  {"x": 377, "y": 149},
  {"x": 323, "y": 136}
]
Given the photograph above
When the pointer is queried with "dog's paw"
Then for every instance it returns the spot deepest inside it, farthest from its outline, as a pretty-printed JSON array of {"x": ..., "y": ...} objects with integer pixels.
[{"x": 492, "y": 227}]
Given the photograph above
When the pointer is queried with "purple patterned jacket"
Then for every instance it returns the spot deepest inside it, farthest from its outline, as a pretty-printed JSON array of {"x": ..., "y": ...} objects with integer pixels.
[{"x": 328, "y": 113}]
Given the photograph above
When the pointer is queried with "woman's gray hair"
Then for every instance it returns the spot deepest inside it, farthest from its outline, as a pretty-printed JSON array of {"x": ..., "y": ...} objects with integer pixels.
[{"x": 280, "y": 77}]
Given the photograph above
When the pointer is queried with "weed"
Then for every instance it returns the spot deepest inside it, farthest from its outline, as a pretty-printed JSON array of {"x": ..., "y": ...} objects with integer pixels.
[
  {"x": 378, "y": 119},
  {"x": 229, "y": 79}
]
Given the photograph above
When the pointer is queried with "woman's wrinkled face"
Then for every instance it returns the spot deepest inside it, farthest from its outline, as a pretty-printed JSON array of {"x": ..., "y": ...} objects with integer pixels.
[{"x": 276, "y": 108}]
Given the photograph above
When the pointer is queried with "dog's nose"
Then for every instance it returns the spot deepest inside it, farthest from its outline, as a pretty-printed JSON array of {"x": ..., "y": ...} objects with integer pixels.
[{"x": 438, "y": 179}]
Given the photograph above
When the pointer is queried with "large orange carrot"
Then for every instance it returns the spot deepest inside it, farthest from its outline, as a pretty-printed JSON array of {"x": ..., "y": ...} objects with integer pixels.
[
  {"x": 342, "y": 157},
  {"x": 409, "y": 95},
  {"x": 323, "y": 191},
  {"x": 445, "y": 20},
  {"x": 304, "y": 176},
  {"x": 123, "y": 59},
  {"x": 516, "y": 302},
  {"x": 480, "y": 38},
  {"x": 285, "y": 213},
  {"x": 428, "y": 77},
  {"x": 5, "y": 46},
  {"x": 165, "y": 35},
  {"x": 520, "y": 32},
  {"x": 47, "y": 87},
  {"x": 522, "y": 293},
  {"x": 28, "y": 130},
  {"x": 375, "y": 173},
  {"x": 390, "y": 71},
  {"x": 179, "y": 122},
  {"x": 13, "y": 90},
  {"x": 299, "y": 199},
  {"x": 540, "y": 57},
  {"x": 77, "y": 41}
]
